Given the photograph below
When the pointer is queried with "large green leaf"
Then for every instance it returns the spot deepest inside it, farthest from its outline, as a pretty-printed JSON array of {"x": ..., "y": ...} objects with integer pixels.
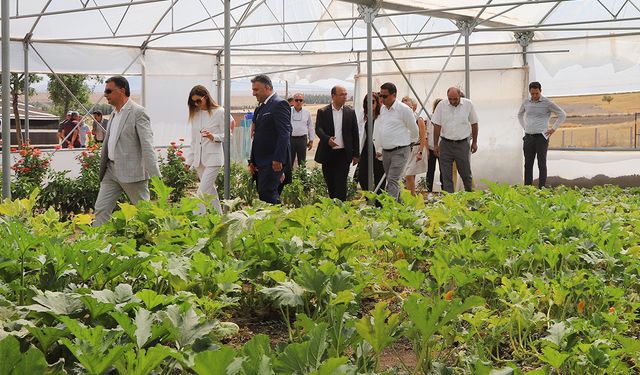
[
  {"x": 13, "y": 362},
  {"x": 301, "y": 358},
  {"x": 287, "y": 293},
  {"x": 185, "y": 325},
  {"x": 379, "y": 329},
  {"x": 58, "y": 303},
  {"x": 257, "y": 354},
  {"x": 216, "y": 362},
  {"x": 142, "y": 362}
]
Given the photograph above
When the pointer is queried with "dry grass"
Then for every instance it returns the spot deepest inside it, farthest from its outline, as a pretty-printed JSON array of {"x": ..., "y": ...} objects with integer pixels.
[{"x": 588, "y": 105}]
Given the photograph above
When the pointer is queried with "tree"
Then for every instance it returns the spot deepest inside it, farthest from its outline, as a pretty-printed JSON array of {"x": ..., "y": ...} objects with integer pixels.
[
  {"x": 607, "y": 98},
  {"x": 16, "y": 90},
  {"x": 78, "y": 84}
]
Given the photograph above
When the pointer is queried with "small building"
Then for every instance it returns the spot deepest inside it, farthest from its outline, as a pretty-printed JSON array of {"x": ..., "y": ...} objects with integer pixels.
[{"x": 43, "y": 127}]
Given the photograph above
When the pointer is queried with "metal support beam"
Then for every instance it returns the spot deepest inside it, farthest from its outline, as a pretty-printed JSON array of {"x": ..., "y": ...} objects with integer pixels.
[
  {"x": 415, "y": 93},
  {"x": 227, "y": 98},
  {"x": 524, "y": 39},
  {"x": 466, "y": 28},
  {"x": 6, "y": 92},
  {"x": 25, "y": 46},
  {"x": 219, "y": 77},
  {"x": 368, "y": 14}
]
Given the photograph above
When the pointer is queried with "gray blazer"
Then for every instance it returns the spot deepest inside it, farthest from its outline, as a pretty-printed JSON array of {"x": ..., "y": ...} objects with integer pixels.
[{"x": 135, "y": 159}]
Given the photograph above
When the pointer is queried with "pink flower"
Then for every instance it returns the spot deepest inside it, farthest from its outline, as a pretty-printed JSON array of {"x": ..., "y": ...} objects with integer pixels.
[{"x": 23, "y": 152}]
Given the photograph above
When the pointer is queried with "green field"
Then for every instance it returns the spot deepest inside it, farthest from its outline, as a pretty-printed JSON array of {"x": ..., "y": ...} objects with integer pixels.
[{"x": 516, "y": 280}]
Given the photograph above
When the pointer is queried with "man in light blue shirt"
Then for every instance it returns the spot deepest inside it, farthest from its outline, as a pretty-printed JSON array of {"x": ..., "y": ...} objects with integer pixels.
[{"x": 534, "y": 117}]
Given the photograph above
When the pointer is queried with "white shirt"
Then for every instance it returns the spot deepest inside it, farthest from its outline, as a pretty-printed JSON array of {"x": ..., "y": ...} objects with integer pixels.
[
  {"x": 301, "y": 123},
  {"x": 268, "y": 97},
  {"x": 455, "y": 121},
  {"x": 430, "y": 134},
  {"x": 337, "y": 125},
  {"x": 114, "y": 125},
  {"x": 395, "y": 127}
]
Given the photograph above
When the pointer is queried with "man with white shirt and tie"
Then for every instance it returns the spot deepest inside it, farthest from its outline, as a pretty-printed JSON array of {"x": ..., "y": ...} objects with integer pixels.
[
  {"x": 302, "y": 133},
  {"x": 128, "y": 158},
  {"x": 339, "y": 145},
  {"x": 396, "y": 129},
  {"x": 454, "y": 122},
  {"x": 534, "y": 117}
]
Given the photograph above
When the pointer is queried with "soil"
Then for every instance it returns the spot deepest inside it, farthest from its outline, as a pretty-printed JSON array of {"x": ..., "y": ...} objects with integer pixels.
[{"x": 599, "y": 180}]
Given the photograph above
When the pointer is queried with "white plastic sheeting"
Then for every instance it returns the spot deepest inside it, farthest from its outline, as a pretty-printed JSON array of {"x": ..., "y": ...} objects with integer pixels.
[
  {"x": 499, "y": 155},
  {"x": 579, "y": 47}
]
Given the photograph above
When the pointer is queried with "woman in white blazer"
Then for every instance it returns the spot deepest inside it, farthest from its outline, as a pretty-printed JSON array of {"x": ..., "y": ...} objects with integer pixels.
[{"x": 207, "y": 134}]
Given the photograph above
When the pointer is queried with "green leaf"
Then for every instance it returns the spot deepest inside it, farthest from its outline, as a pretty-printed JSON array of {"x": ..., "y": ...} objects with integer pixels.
[
  {"x": 312, "y": 279},
  {"x": 56, "y": 302},
  {"x": 215, "y": 362},
  {"x": 143, "y": 322},
  {"x": 257, "y": 354},
  {"x": 151, "y": 299},
  {"x": 598, "y": 357},
  {"x": 142, "y": 362},
  {"x": 46, "y": 336},
  {"x": 557, "y": 333},
  {"x": 287, "y": 293},
  {"x": 185, "y": 325},
  {"x": 412, "y": 279},
  {"x": 128, "y": 210},
  {"x": 95, "y": 307},
  {"x": 277, "y": 276},
  {"x": 335, "y": 366},
  {"x": 301, "y": 358},
  {"x": 553, "y": 357},
  {"x": 345, "y": 296},
  {"x": 379, "y": 328},
  {"x": 13, "y": 362}
]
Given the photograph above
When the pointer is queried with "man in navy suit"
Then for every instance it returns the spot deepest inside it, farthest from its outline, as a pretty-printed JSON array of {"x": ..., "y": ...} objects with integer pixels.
[
  {"x": 337, "y": 129},
  {"x": 270, "y": 148}
]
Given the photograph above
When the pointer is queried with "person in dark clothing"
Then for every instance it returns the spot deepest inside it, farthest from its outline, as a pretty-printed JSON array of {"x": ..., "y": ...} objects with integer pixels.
[{"x": 363, "y": 166}]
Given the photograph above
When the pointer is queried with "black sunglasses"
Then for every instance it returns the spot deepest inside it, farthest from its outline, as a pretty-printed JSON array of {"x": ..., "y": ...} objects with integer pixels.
[{"x": 299, "y": 100}]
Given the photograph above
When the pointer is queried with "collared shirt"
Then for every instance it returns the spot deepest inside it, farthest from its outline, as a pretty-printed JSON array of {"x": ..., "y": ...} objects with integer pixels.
[
  {"x": 114, "y": 125},
  {"x": 534, "y": 116},
  {"x": 395, "y": 127},
  {"x": 337, "y": 126},
  {"x": 268, "y": 97},
  {"x": 455, "y": 121},
  {"x": 301, "y": 123}
]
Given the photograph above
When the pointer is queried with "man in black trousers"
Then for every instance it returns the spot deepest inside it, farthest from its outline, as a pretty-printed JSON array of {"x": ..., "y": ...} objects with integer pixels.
[
  {"x": 337, "y": 129},
  {"x": 270, "y": 153}
]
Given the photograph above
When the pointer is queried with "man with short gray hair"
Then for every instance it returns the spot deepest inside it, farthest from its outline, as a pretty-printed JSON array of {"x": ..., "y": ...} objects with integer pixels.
[{"x": 454, "y": 122}]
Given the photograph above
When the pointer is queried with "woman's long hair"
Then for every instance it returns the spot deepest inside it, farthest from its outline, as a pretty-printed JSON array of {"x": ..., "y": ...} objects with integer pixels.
[
  {"x": 376, "y": 107},
  {"x": 204, "y": 93}
]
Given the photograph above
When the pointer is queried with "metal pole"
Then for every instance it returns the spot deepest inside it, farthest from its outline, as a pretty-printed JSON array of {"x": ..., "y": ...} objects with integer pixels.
[
  {"x": 635, "y": 126},
  {"x": 6, "y": 121},
  {"x": 467, "y": 69},
  {"x": 143, "y": 94},
  {"x": 26, "y": 92},
  {"x": 218, "y": 79},
  {"x": 370, "y": 150},
  {"x": 227, "y": 97}
]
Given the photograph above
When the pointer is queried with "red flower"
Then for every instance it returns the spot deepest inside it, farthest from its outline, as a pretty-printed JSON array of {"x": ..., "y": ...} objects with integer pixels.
[
  {"x": 181, "y": 139},
  {"x": 37, "y": 152},
  {"x": 84, "y": 153},
  {"x": 57, "y": 147},
  {"x": 580, "y": 306},
  {"x": 612, "y": 310},
  {"x": 172, "y": 143},
  {"x": 25, "y": 170},
  {"x": 85, "y": 165},
  {"x": 183, "y": 158},
  {"x": 13, "y": 149},
  {"x": 179, "y": 153}
]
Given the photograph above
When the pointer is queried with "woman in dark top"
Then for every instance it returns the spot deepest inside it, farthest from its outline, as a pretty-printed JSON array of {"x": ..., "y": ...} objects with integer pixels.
[{"x": 363, "y": 165}]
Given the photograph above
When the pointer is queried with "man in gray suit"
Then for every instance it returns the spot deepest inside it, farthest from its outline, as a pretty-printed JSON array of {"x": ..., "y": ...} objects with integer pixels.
[{"x": 128, "y": 159}]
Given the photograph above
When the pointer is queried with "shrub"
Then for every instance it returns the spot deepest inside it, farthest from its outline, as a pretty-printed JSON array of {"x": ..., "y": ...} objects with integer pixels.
[
  {"x": 175, "y": 173},
  {"x": 30, "y": 171}
]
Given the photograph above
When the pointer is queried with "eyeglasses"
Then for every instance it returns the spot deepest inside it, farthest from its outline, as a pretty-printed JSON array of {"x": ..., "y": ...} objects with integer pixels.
[
  {"x": 384, "y": 96},
  {"x": 298, "y": 100}
]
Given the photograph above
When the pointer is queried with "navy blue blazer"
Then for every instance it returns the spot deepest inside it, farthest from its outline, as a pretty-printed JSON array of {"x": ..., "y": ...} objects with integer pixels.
[
  {"x": 325, "y": 130},
  {"x": 272, "y": 133}
]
